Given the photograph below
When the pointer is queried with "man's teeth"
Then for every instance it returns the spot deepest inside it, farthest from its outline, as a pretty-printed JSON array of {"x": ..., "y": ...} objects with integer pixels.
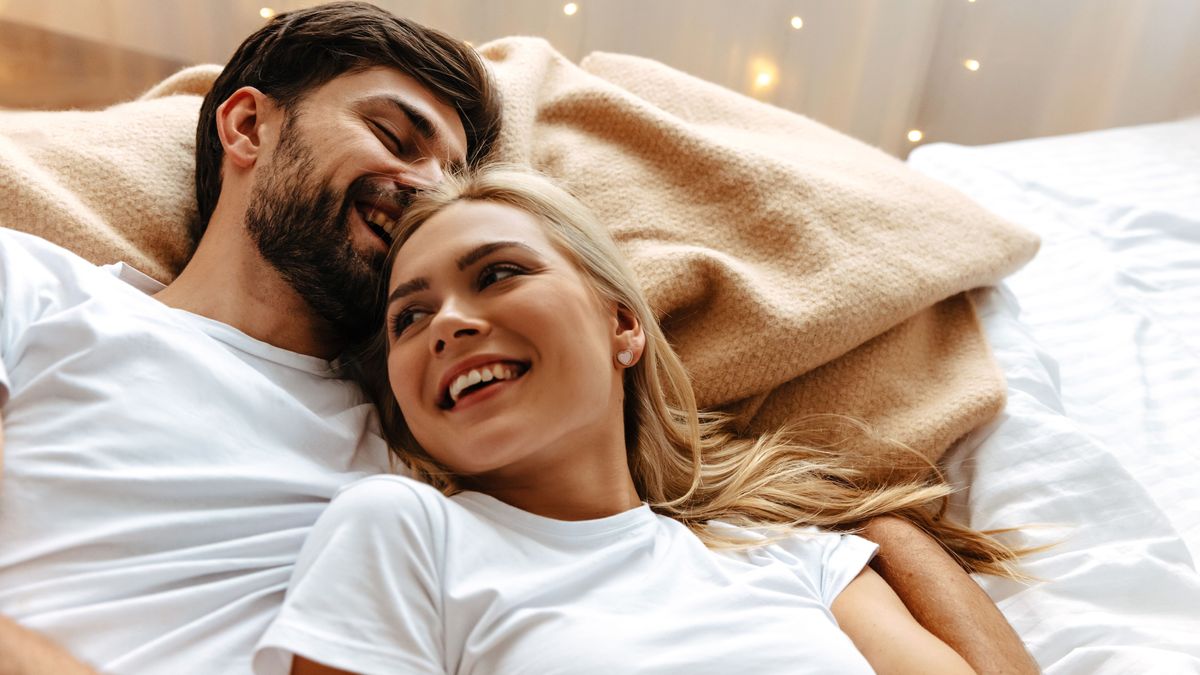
[
  {"x": 381, "y": 219},
  {"x": 496, "y": 371}
]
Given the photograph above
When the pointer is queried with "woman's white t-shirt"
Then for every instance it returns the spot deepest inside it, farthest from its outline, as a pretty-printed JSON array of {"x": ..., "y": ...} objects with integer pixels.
[{"x": 395, "y": 577}]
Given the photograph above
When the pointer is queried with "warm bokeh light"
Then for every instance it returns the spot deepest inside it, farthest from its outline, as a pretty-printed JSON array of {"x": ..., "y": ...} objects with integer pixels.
[
  {"x": 915, "y": 135},
  {"x": 971, "y": 64},
  {"x": 570, "y": 8},
  {"x": 266, "y": 12},
  {"x": 797, "y": 22},
  {"x": 764, "y": 75}
]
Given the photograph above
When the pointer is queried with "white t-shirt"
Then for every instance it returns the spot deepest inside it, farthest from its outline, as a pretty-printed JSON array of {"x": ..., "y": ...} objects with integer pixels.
[
  {"x": 396, "y": 578},
  {"x": 161, "y": 470}
]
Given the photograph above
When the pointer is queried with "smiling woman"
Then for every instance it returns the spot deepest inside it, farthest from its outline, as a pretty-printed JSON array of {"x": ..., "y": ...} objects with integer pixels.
[
  {"x": 508, "y": 300},
  {"x": 522, "y": 374}
]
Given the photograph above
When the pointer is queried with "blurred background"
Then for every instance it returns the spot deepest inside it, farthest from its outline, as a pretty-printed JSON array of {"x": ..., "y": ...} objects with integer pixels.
[{"x": 893, "y": 73}]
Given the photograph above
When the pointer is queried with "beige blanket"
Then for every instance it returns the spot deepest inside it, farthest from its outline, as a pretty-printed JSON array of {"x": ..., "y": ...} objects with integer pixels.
[{"x": 797, "y": 270}]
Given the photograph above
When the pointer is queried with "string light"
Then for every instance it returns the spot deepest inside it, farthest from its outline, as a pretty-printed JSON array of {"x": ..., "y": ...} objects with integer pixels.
[
  {"x": 266, "y": 12},
  {"x": 765, "y": 74},
  {"x": 971, "y": 64},
  {"x": 797, "y": 22},
  {"x": 915, "y": 135},
  {"x": 570, "y": 8}
]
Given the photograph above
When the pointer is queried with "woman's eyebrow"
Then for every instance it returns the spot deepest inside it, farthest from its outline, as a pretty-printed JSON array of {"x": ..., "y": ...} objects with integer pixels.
[
  {"x": 408, "y": 288},
  {"x": 474, "y": 255},
  {"x": 466, "y": 260}
]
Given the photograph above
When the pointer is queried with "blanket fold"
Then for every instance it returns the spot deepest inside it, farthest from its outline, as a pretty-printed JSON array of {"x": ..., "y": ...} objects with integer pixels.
[{"x": 796, "y": 269}]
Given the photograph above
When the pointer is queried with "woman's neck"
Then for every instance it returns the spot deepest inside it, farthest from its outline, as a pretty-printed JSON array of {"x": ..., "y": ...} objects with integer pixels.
[{"x": 567, "y": 484}]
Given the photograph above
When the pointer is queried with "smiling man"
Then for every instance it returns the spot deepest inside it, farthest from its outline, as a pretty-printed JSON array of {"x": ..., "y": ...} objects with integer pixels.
[{"x": 166, "y": 450}]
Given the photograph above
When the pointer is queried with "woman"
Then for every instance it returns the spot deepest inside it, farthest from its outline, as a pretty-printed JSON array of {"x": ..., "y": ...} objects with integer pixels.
[{"x": 573, "y": 512}]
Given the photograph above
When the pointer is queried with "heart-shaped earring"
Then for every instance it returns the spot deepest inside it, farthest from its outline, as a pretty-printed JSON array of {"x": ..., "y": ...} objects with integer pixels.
[{"x": 625, "y": 357}]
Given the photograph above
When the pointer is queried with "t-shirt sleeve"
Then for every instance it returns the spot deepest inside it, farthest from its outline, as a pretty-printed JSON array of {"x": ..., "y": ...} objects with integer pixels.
[
  {"x": 825, "y": 561},
  {"x": 365, "y": 595},
  {"x": 7, "y": 308},
  {"x": 23, "y": 280}
]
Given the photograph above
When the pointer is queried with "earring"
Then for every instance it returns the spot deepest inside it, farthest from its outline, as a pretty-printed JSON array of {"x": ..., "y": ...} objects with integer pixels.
[{"x": 625, "y": 357}]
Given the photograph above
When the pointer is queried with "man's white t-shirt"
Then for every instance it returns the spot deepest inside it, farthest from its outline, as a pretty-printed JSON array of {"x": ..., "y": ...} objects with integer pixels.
[
  {"x": 397, "y": 578},
  {"x": 160, "y": 470}
]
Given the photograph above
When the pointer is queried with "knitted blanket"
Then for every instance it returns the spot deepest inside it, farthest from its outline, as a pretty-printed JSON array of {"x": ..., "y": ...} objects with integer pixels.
[{"x": 795, "y": 269}]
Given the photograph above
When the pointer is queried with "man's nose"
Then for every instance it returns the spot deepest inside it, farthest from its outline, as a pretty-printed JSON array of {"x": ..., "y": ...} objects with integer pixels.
[{"x": 423, "y": 173}]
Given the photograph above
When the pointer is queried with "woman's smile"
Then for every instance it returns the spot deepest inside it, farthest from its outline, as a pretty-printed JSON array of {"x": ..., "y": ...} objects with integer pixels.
[{"x": 467, "y": 382}]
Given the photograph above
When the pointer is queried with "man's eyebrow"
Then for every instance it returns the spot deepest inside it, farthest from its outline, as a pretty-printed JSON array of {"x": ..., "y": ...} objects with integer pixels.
[
  {"x": 474, "y": 255},
  {"x": 418, "y": 119},
  {"x": 408, "y": 288}
]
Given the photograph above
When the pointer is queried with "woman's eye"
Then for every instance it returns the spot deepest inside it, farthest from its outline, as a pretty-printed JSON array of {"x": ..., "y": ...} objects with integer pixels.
[
  {"x": 495, "y": 273},
  {"x": 405, "y": 318}
]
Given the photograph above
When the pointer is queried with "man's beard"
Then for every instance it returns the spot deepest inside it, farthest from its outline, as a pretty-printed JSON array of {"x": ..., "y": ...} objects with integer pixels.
[{"x": 302, "y": 229}]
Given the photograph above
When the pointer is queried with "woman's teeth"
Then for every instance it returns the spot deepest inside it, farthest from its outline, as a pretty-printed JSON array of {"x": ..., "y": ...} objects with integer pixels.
[{"x": 496, "y": 371}]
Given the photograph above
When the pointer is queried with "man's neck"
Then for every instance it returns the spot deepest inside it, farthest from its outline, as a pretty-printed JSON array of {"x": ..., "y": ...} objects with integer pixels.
[{"x": 228, "y": 281}]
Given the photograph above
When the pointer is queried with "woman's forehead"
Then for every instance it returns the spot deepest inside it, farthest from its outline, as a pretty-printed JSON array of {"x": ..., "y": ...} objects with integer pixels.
[{"x": 465, "y": 226}]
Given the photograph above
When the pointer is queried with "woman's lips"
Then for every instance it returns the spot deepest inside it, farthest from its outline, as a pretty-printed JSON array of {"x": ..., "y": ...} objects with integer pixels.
[{"x": 475, "y": 379}]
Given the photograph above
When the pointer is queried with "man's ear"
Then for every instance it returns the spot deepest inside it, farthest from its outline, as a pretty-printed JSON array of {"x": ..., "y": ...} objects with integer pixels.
[
  {"x": 239, "y": 124},
  {"x": 629, "y": 334}
]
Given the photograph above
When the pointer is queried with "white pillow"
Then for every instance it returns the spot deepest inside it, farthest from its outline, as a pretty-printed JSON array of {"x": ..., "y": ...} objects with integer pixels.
[{"x": 1118, "y": 592}]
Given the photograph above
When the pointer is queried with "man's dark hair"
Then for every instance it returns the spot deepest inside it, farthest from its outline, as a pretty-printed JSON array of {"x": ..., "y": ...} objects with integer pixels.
[{"x": 299, "y": 51}]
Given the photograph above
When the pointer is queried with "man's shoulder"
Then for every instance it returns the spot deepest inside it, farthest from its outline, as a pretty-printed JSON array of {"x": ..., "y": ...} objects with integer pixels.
[
  {"x": 31, "y": 259},
  {"x": 40, "y": 279},
  {"x": 31, "y": 244}
]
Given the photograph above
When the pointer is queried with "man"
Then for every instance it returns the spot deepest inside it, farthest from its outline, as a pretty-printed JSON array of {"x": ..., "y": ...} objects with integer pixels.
[{"x": 169, "y": 448}]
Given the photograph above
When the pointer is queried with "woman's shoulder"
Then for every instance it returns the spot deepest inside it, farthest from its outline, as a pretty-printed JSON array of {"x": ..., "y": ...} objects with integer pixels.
[
  {"x": 387, "y": 487},
  {"x": 766, "y": 534},
  {"x": 798, "y": 547},
  {"x": 388, "y": 497}
]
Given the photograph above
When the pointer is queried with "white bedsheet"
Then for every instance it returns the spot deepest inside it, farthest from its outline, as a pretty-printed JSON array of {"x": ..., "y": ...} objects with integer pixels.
[{"x": 1101, "y": 436}]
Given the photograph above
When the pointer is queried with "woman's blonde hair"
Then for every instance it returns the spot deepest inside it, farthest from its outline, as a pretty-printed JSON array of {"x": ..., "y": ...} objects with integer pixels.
[{"x": 688, "y": 465}]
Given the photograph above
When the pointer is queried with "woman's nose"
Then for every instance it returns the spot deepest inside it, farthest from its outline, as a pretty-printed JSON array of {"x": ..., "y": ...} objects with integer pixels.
[{"x": 455, "y": 323}]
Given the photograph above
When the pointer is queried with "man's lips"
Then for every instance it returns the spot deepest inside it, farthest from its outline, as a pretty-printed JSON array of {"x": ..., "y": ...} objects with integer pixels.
[
  {"x": 379, "y": 205},
  {"x": 381, "y": 223}
]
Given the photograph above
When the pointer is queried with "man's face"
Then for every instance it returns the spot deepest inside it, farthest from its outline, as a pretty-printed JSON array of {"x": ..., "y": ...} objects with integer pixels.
[{"x": 324, "y": 202}]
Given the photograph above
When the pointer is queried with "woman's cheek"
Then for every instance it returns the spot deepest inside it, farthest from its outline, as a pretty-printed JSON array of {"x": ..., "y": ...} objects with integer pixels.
[{"x": 402, "y": 381}]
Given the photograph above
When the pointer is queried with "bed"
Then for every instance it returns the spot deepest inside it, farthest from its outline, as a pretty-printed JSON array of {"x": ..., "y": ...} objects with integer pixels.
[{"x": 1099, "y": 337}]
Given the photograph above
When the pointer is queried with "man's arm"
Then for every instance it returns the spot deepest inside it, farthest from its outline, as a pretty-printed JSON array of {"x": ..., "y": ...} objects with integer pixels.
[
  {"x": 24, "y": 652},
  {"x": 887, "y": 634},
  {"x": 945, "y": 599}
]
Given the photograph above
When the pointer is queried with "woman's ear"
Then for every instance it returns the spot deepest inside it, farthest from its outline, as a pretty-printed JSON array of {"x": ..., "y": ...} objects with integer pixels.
[
  {"x": 629, "y": 340},
  {"x": 239, "y": 124}
]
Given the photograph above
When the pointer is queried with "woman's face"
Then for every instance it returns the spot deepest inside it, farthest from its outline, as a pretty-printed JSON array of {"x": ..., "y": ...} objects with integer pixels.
[{"x": 500, "y": 354}]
